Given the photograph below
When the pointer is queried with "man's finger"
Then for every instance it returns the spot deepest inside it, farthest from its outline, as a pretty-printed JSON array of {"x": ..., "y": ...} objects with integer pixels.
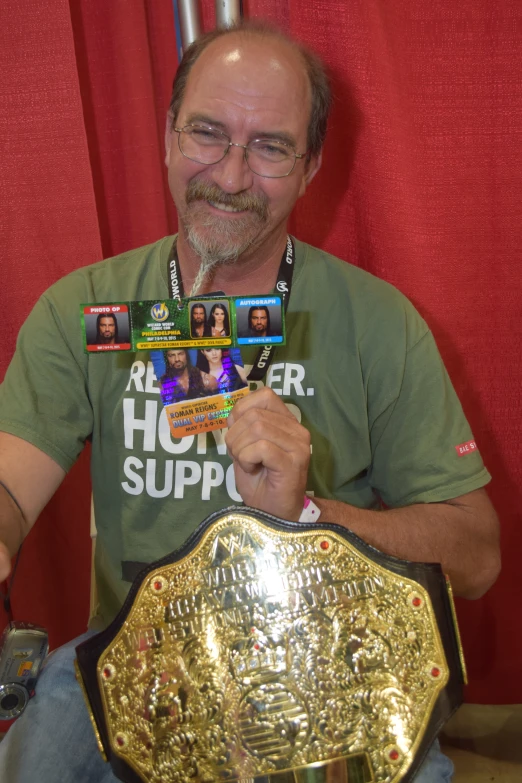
[
  {"x": 264, "y": 399},
  {"x": 264, "y": 453},
  {"x": 260, "y": 425}
]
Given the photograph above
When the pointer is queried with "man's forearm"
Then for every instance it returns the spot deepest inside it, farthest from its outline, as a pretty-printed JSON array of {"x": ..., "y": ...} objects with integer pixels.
[
  {"x": 13, "y": 529},
  {"x": 461, "y": 534},
  {"x": 31, "y": 477}
]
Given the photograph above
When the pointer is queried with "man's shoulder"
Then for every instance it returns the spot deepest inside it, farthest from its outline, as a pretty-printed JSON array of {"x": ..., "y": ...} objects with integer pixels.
[
  {"x": 325, "y": 266},
  {"x": 352, "y": 295},
  {"x": 123, "y": 276}
]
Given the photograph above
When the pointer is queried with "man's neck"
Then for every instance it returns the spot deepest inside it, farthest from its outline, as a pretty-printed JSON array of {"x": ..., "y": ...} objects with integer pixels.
[
  {"x": 178, "y": 376},
  {"x": 183, "y": 378},
  {"x": 252, "y": 273}
]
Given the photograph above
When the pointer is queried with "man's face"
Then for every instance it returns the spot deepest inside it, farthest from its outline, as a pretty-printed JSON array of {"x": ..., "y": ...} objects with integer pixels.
[
  {"x": 259, "y": 321},
  {"x": 107, "y": 329},
  {"x": 177, "y": 360},
  {"x": 248, "y": 87},
  {"x": 198, "y": 315}
]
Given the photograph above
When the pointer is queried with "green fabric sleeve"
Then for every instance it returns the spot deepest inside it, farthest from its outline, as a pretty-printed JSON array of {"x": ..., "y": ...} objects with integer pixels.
[
  {"x": 44, "y": 397},
  {"x": 414, "y": 439}
]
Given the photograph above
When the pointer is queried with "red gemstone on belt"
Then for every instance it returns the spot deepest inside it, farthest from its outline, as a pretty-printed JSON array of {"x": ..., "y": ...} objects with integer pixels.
[
  {"x": 435, "y": 672},
  {"x": 394, "y": 755},
  {"x": 417, "y": 601},
  {"x": 325, "y": 545}
]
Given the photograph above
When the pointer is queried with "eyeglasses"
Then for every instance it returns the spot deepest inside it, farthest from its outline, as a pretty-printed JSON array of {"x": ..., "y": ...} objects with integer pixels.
[{"x": 266, "y": 157}]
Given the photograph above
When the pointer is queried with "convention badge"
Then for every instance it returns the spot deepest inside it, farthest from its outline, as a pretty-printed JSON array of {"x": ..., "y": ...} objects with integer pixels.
[
  {"x": 193, "y": 322},
  {"x": 199, "y": 387}
]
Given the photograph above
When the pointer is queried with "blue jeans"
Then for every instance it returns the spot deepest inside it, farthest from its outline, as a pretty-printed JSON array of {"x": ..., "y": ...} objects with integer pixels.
[{"x": 53, "y": 741}]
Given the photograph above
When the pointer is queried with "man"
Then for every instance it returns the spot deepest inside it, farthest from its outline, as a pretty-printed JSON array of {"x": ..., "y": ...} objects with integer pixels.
[
  {"x": 258, "y": 322},
  {"x": 106, "y": 329},
  {"x": 183, "y": 381},
  {"x": 198, "y": 321},
  {"x": 243, "y": 141}
]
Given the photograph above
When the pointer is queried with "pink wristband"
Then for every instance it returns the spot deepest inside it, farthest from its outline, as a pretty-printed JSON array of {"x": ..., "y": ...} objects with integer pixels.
[{"x": 310, "y": 512}]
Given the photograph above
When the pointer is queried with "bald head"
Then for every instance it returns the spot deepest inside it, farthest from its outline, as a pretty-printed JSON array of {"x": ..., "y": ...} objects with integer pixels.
[
  {"x": 253, "y": 66},
  {"x": 282, "y": 59},
  {"x": 243, "y": 73}
]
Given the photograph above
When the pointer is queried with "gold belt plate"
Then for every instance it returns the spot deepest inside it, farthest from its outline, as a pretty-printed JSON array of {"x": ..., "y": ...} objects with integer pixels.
[{"x": 266, "y": 654}]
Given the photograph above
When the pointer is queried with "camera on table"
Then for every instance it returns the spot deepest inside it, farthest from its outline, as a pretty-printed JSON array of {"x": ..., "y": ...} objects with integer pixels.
[{"x": 23, "y": 649}]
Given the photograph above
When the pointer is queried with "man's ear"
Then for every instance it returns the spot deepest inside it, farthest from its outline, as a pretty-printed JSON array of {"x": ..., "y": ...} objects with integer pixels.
[
  {"x": 168, "y": 137},
  {"x": 311, "y": 169}
]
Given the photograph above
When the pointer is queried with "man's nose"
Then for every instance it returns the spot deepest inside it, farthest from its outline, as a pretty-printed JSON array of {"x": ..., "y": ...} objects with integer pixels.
[{"x": 232, "y": 173}]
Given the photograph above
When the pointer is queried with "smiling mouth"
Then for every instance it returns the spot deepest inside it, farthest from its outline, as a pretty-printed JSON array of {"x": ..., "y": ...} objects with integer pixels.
[{"x": 224, "y": 207}]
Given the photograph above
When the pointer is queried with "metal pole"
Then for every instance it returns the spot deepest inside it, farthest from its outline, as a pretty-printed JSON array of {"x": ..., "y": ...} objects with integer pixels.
[
  {"x": 189, "y": 21},
  {"x": 228, "y": 12}
]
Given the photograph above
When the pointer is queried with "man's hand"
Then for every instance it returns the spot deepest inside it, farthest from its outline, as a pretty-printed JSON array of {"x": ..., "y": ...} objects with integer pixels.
[{"x": 271, "y": 452}]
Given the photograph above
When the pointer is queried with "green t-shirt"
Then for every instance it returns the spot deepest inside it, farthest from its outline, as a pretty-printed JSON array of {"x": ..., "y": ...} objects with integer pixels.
[{"x": 360, "y": 370}]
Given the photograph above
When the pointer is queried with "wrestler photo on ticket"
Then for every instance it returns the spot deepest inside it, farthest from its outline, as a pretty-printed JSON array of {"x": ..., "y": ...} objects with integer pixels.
[
  {"x": 199, "y": 387},
  {"x": 106, "y": 327},
  {"x": 210, "y": 318},
  {"x": 258, "y": 321}
]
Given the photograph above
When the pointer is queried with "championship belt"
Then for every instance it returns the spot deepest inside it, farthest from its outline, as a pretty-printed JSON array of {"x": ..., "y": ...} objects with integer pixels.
[{"x": 274, "y": 652}]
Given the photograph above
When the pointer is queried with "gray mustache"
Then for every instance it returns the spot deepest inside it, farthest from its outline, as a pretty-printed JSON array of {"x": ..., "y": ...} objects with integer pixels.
[{"x": 202, "y": 191}]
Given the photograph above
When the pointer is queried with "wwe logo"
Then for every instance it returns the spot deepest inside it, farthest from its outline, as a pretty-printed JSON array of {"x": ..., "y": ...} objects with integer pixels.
[
  {"x": 231, "y": 543},
  {"x": 234, "y": 543}
]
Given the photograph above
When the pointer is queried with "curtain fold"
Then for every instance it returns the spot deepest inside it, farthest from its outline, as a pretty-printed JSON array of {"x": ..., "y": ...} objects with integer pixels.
[
  {"x": 126, "y": 59},
  {"x": 48, "y": 227},
  {"x": 420, "y": 185}
]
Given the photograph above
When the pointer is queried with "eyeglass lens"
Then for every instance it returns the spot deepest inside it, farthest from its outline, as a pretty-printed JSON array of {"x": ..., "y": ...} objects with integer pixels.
[{"x": 266, "y": 157}]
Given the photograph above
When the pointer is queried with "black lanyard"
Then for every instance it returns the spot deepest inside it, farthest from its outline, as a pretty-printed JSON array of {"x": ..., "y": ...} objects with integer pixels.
[{"x": 283, "y": 286}]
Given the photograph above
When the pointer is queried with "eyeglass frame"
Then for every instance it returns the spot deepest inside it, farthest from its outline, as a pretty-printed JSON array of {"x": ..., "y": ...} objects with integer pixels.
[{"x": 245, "y": 147}]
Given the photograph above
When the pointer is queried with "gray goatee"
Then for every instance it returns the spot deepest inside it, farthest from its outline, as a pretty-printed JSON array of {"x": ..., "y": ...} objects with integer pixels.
[{"x": 218, "y": 241}]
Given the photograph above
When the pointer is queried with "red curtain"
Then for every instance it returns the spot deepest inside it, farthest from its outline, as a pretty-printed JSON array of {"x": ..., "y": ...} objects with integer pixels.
[{"x": 420, "y": 185}]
